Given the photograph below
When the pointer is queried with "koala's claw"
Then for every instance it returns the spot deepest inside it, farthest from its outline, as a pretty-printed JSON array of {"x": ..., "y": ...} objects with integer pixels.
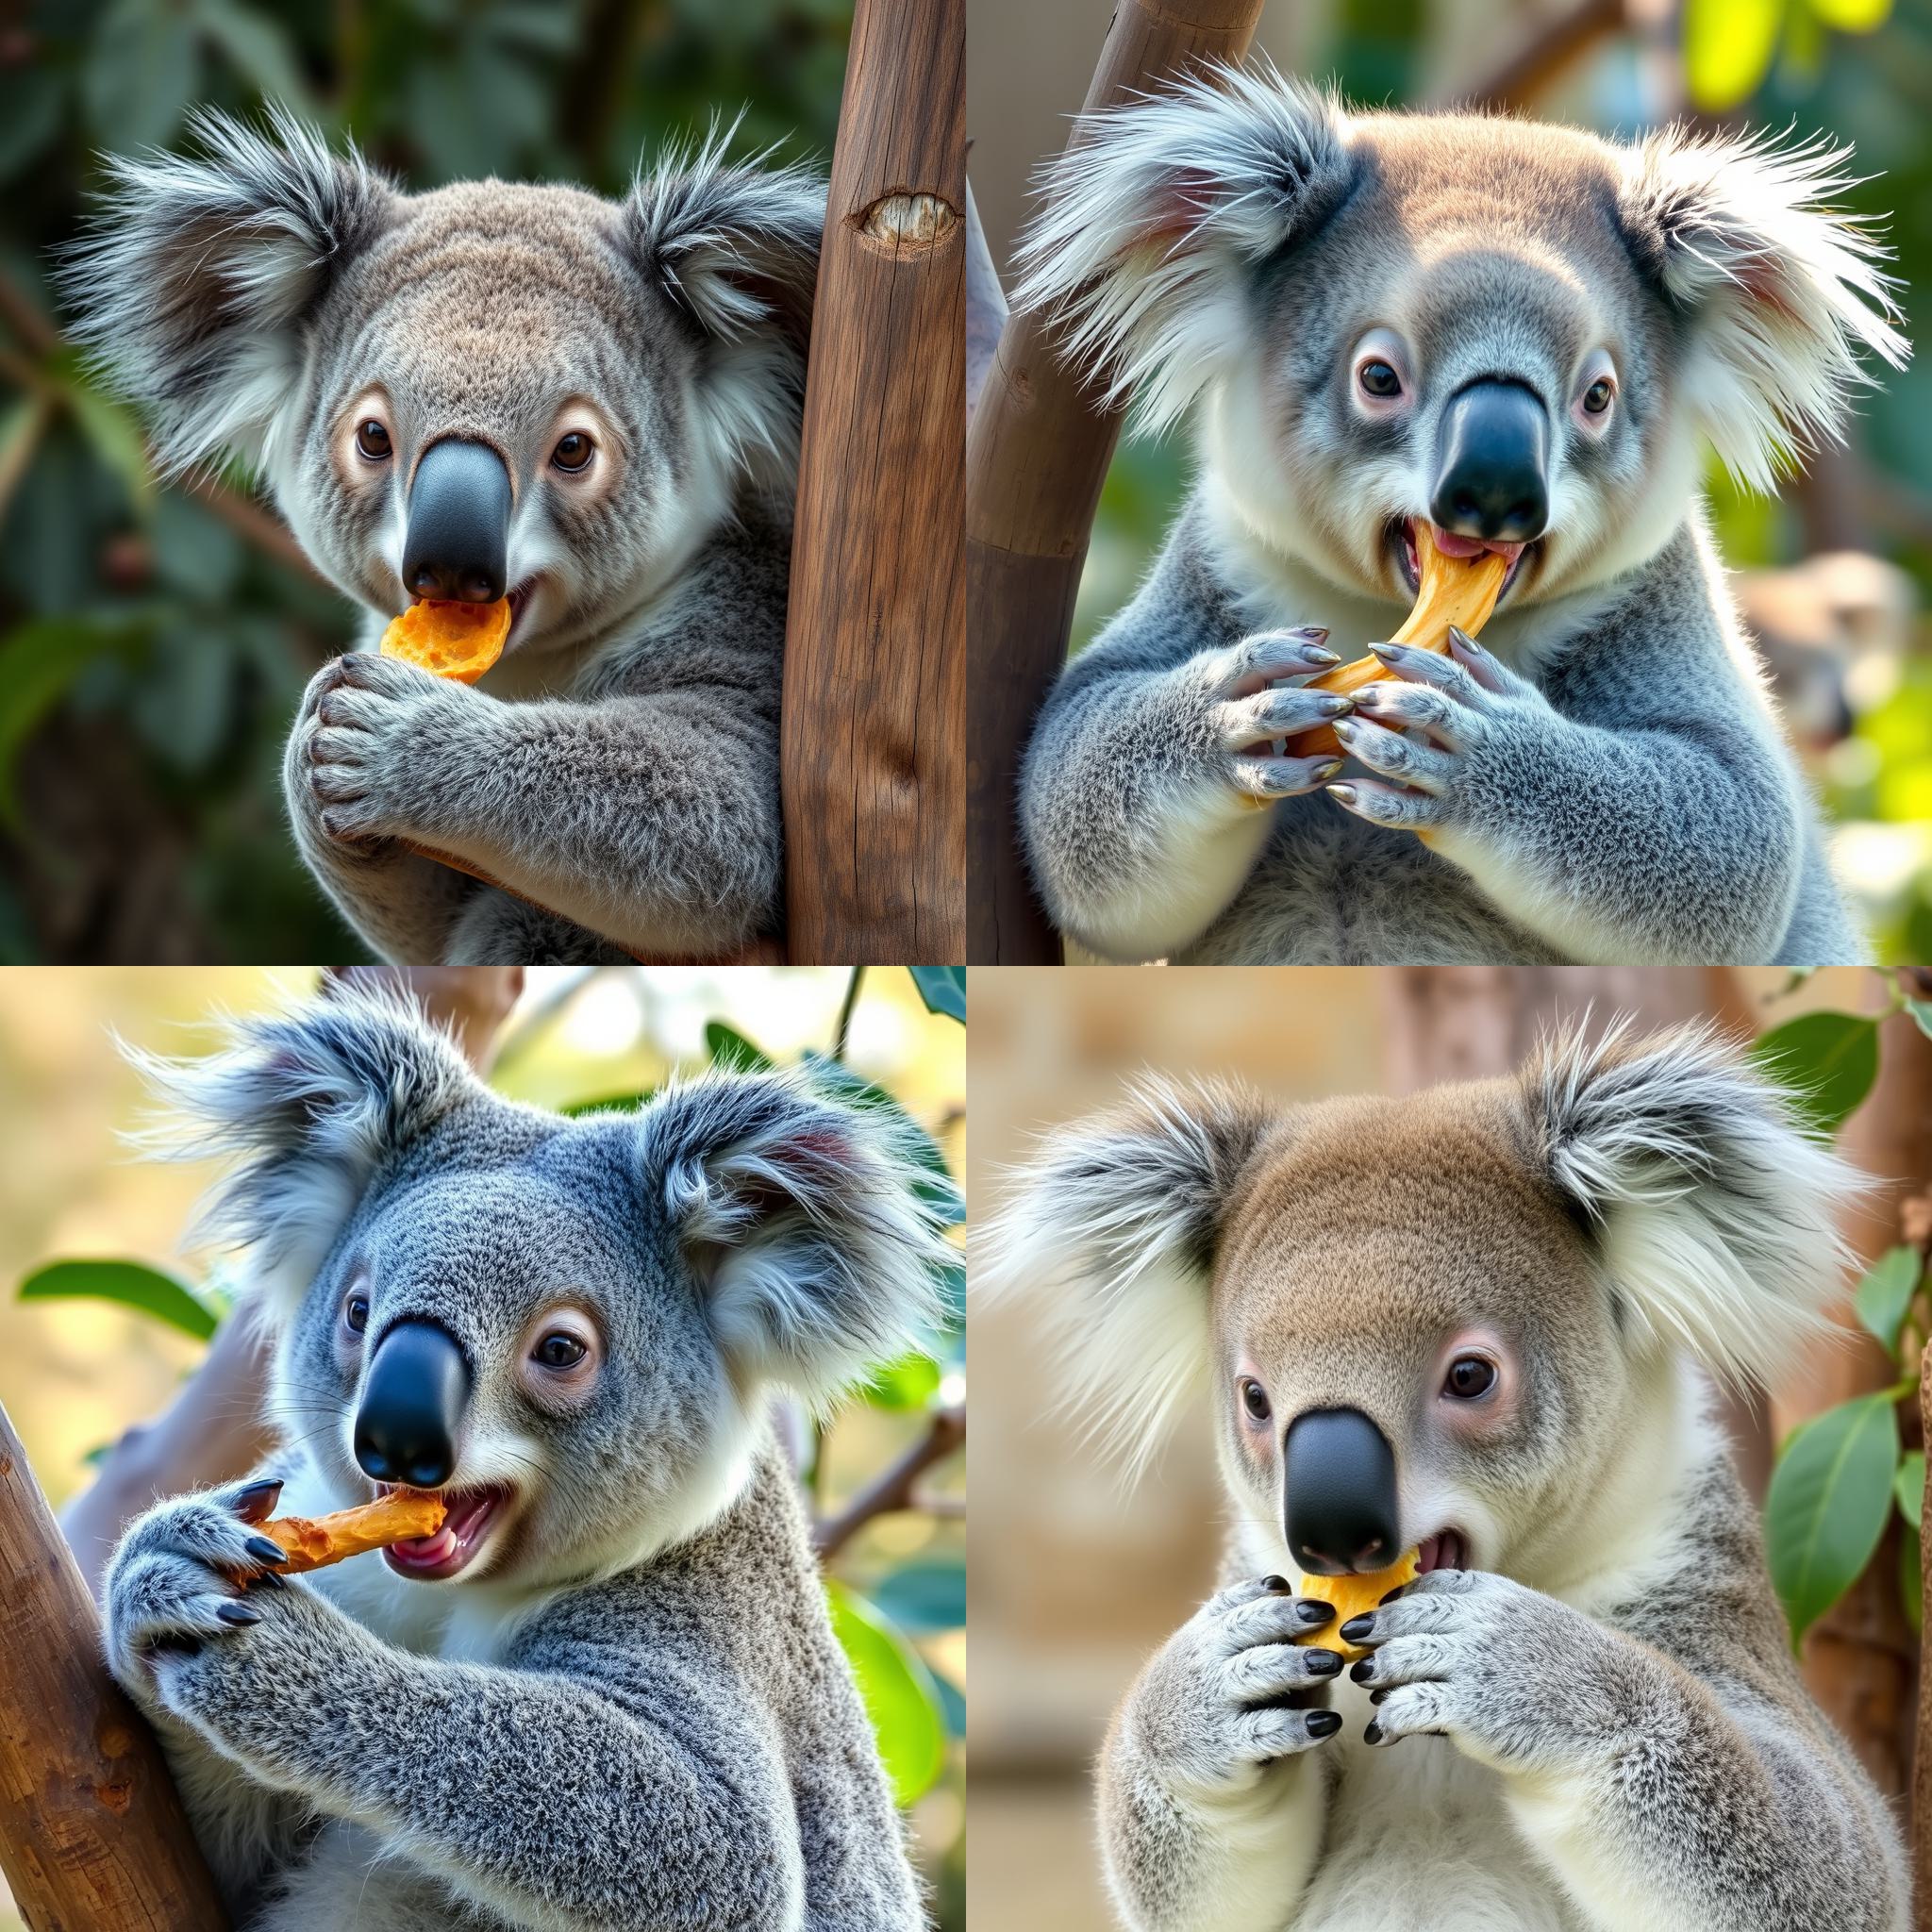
[{"x": 256, "y": 1502}]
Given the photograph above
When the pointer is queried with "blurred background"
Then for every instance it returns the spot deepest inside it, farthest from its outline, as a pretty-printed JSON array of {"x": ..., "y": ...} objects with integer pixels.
[
  {"x": 76, "y": 1373},
  {"x": 1833, "y": 575},
  {"x": 154, "y": 640},
  {"x": 1074, "y": 1579}
]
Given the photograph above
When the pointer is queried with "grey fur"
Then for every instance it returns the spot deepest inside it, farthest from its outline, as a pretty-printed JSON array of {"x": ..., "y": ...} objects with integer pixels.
[
  {"x": 629, "y": 1714},
  {"x": 1608, "y": 780},
  {"x": 619, "y": 764},
  {"x": 1596, "y": 1726}
]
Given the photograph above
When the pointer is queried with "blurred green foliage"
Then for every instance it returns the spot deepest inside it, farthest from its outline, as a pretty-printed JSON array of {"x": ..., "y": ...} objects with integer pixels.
[
  {"x": 1855, "y": 70},
  {"x": 152, "y": 650}
]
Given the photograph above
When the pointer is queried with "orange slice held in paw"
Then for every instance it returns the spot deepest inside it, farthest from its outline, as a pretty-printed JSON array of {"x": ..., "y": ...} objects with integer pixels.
[
  {"x": 453, "y": 640},
  {"x": 1352, "y": 1596}
]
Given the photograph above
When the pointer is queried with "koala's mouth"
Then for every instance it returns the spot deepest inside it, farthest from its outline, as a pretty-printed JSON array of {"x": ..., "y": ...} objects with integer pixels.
[
  {"x": 1448, "y": 1549},
  {"x": 473, "y": 1515},
  {"x": 1405, "y": 532},
  {"x": 520, "y": 596}
]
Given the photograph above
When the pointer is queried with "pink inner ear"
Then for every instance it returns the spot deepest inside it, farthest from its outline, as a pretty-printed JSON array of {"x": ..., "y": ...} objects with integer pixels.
[
  {"x": 1764, "y": 278},
  {"x": 1187, "y": 199}
]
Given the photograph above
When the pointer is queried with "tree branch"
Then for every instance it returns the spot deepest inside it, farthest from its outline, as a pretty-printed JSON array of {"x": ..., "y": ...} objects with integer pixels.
[{"x": 892, "y": 1489}]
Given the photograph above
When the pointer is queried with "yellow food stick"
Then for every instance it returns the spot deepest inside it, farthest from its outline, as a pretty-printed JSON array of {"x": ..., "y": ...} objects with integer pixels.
[
  {"x": 1352, "y": 1595},
  {"x": 453, "y": 640}
]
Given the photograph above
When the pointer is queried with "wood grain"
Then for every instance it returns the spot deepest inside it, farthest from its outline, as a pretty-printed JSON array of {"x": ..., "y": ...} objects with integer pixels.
[
  {"x": 873, "y": 752},
  {"x": 92, "y": 1836},
  {"x": 1036, "y": 456}
]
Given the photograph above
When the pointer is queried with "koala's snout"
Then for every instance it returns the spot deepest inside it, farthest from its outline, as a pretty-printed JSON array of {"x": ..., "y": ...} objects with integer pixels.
[
  {"x": 1339, "y": 1497},
  {"x": 412, "y": 1405},
  {"x": 1492, "y": 476},
  {"x": 458, "y": 531}
]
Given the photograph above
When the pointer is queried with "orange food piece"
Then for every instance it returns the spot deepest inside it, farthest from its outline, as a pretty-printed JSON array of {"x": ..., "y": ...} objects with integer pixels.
[
  {"x": 315, "y": 1542},
  {"x": 454, "y": 640},
  {"x": 1352, "y": 1596}
]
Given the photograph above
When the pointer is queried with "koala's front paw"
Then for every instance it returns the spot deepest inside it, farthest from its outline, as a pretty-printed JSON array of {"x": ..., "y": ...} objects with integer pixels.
[
  {"x": 1232, "y": 1692},
  {"x": 1428, "y": 731},
  {"x": 1248, "y": 720},
  {"x": 177, "y": 1578},
  {"x": 378, "y": 724}
]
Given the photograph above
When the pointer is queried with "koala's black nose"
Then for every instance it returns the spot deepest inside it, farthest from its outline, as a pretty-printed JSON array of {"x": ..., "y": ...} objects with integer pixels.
[
  {"x": 459, "y": 531},
  {"x": 1492, "y": 476},
  {"x": 1339, "y": 1493},
  {"x": 413, "y": 1404}
]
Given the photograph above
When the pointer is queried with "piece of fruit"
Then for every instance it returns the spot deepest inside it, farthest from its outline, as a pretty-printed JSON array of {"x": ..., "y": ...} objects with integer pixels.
[
  {"x": 1352, "y": 1595},
  {"x": 454, "y": 640},
  {"x": 315, "y": 1542}
]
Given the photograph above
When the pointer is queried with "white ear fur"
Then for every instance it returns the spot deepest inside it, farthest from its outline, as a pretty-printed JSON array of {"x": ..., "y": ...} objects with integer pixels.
[
  {"x": 1113, "y": 1226},
  {"x": 1779, "y": 292},
  {"x": 1716, "y": 1213},
  {"x": 1157, "y": 211}
]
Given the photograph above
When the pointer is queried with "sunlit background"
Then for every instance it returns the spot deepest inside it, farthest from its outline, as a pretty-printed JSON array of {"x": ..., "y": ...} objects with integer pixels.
[
  {"x": 73, "y": 1374},
  {"x": 1834, "y": 574},
  {"x": 154, "y": 641}
]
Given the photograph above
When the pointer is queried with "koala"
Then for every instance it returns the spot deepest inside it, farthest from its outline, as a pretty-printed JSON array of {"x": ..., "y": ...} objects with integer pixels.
[
  {"x": 1476, "y": 1323},
  {"x": 496, "y": 388},
  {"x": 1400, "y": 330},
  {"x": 605, "y": 1696}
]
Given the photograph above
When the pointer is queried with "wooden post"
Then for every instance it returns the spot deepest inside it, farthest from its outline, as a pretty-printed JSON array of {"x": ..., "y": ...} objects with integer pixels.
[
  {"x": 92, "y": 1837},
  {"x": 1036, "y": 458},
  {"x": 873, "y": 752}
]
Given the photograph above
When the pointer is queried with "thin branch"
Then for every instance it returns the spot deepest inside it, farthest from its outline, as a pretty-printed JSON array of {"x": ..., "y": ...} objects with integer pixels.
[
  {"x": 254, "y": 524},
  {"x": 1545, "y": 52},
  {"x": 841, "y": 1032},
  {"x": 895, "y": 1489}
]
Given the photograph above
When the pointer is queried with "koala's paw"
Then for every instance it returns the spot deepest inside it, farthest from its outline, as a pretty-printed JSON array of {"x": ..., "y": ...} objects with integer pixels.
[
  {"x": 1233, "y": 1692},
  {"x": 1424, "y": 734},
  {"x": 368, "y": 728},
  {"x": 177, "y": 1580},
  {"x": 1249, "y": 720}
]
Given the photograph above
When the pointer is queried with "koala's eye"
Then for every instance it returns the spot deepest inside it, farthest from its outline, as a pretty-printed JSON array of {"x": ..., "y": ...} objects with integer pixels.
[
  {"x": 558, "y": 1350},
  {"x": 1469, "y": 1376},
  {"x": 1254, "y": 1400},
  {"x": 355, "y": 1314},
  {"x": 572, "y": 452},
  {"x": 1596, "y": 398},
  {"x": 372, "y": 439},
  {"x": 1378, "y": 380}
]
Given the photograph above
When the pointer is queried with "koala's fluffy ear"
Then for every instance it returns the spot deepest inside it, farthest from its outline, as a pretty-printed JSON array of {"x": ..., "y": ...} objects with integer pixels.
[
  {"x": 810, "y": 1223},
  {"x": 1715, "y": 1212},
  {"x": 736, "y": 249},
  {"x": 1778, "y": 291},
  {"x": 308, "y": 1103},
  {"x": 1156, "y": 215},
  {"x": 1114, "y": 1225},
  {"x": 193, "y": 281}
]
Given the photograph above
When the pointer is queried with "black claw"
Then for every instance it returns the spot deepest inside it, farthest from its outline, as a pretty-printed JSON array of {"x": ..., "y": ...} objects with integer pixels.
[
  {"x": 241, "y": 1615},
  {"x": 1400, "y": 1590},
  {"x": 256, "y": 1502},
  {"x": 265, "y": 1551},
  {"x": 1323, "y": 1724},
  {"x": 1357, "y": 1627},
  {"x": 1360, "y": 1673},
  {"x": 1312, "y": 1609},
  {"x": 1275, "y": 1586},
  {"x": 1374, "y": 1734},
  {"x": 1376, "y": 1696},
  {"x": 1324, "y": 1663},
  {"x": 271, "y": 1579}
]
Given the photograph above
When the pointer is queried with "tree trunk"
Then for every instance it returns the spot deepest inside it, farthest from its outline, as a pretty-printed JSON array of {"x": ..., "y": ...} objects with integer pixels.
[
  {"x": 92, "y": 1837},
  {"x": 1921, "y": 1763},
  {"x": 873, "y": 750},
  {"x": 1036, "y": 458}
]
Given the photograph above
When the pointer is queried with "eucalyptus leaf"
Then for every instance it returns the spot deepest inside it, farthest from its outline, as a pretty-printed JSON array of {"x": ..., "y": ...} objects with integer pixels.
[
  {"x": 730, "y": 1049},
  {"x": 911, "y": 1382},
  {"x": 1728, "y": 45},
  {"x": 1829, "y": 1062},
  {"x": 129, "y": 1284},
  {"x": 942, "y": 989},
  {"x": 1909, "y": 1487},
  {"x": 900, "y": 1696},
  {"x": 1885, "y": 1292}
]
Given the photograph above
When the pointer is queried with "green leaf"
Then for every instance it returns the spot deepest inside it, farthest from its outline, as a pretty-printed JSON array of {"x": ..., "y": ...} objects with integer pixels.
[
  {"x": 39, "y": 663},
  {"x": 1921, "y": 1011},
  {"x": 131, "y": 1285},
  {"x": 1853, "y": 16},
  {"x": 911, "y": 1382},
  {"x": 1728, "y": 46},
  {"x": 143, "y": 67},
  {"x": 259, "y": 48},
  {"x": 940, "y": 1193},
  {"x": 606, "y": 1103},
  {"x": 1912, "y": 1582},
  {"x": 925, "y": 1595},
  {"x": 1828, "y": 1060},
  {"x": 1885, "y": 1292},
  {"x": 942, "y": 989},
  {"x": 731, "y": 1050},
  {"x": 900, "y": 1696},
  {"x": 1908, "y": 1486},
  {"x": 112, "y": 430},
  {"x": 1829, "y": 1498}
]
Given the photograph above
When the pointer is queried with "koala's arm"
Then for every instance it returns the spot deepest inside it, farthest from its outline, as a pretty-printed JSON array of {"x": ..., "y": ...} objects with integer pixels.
[
  {"x": 1211, "y": 1801},
  {"x": 1138, "y": 797}
]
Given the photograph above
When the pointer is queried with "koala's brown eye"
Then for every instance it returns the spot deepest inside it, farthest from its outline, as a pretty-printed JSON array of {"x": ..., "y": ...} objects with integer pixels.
[
  {"x": 1254, "y": 1400},
  {"x": 1379, "y": 379},
  {"x": 572, "y": 452},
  {"x": 1596, "y": 398},
  {"x": 355, "y": 1314},
  {"x": 558, "y": 1350},
  {"x": 1469, "y": 1376},
  {"x": 372, "y": 439}
]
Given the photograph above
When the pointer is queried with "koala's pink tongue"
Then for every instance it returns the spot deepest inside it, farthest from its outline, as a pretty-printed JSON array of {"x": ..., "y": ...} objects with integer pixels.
[
  {"x": 1469, "y": 546},
  {"x": 429, "y": 1549}
]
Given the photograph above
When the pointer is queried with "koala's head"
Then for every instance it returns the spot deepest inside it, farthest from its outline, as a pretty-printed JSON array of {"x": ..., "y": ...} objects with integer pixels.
[
  {"x": 571, "y": 1328},
  {"x": 491, "y": 389},
  {"x": 1444, "y": 1321},
  {"x": 1512, "y": 332}
]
